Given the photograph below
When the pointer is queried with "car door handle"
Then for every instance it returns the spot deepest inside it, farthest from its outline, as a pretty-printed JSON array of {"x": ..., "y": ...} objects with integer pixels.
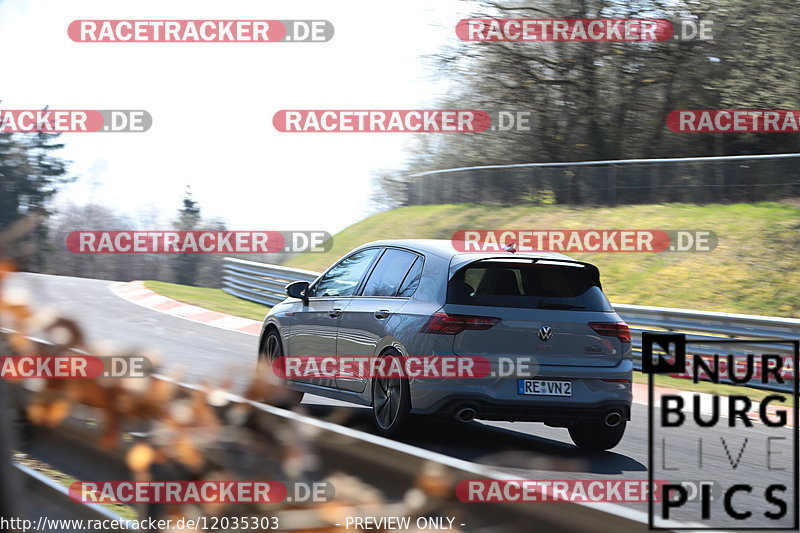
[
  {"x": 383, "y": 313},
  {"x": 335, "y": 312}
]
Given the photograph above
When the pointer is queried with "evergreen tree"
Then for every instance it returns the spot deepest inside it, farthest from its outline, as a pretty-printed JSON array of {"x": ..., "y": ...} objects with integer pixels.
[
  {"x": 187, "y": 265},
  {"x": 30, "y": 175}
]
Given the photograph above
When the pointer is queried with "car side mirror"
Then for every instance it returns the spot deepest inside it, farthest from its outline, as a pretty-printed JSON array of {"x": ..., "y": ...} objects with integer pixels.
[{"x": 297, "y": 289}]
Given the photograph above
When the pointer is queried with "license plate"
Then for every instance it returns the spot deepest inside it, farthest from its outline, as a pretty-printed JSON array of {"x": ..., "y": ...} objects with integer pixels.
[{"x": 542, "y": 387}]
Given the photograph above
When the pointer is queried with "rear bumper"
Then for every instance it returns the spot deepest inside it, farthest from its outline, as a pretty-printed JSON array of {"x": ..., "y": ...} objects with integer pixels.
[
  {"x": 594, "y": 394},
  {"x": 549, "y": 412}
]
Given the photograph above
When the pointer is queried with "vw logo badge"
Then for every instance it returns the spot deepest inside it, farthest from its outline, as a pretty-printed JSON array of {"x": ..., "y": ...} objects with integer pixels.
[{"x": 545, "y": 333}]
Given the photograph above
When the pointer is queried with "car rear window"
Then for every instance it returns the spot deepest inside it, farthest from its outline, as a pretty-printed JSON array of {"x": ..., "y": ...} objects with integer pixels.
[
  {"x": 411, "y": 282},
  {"x": 527, "y": 285}
]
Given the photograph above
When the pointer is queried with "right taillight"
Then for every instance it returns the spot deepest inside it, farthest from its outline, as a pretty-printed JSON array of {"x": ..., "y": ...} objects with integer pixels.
[
  {"x": 619, "y": 330},
  {"x": 444, "y": 324}
]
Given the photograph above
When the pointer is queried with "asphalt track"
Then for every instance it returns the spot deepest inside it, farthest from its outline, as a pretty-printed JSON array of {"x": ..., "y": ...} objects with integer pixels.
[{"x": 196, "y": 352}]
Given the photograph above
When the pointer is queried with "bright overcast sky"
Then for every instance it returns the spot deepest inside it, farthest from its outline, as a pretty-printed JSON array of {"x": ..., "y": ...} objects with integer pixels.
[{"x": 212, "y": 104}]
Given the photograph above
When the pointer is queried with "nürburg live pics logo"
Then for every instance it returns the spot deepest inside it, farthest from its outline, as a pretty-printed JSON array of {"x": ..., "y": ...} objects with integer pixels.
[{"x": 729, "y": 454}]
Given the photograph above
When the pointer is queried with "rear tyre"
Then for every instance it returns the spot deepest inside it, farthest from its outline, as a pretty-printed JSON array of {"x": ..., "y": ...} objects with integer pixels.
[
  {"x": 391, "y": 403},
  {"x": 272, "y": 351},
  {"x": 596, "y": 435}
]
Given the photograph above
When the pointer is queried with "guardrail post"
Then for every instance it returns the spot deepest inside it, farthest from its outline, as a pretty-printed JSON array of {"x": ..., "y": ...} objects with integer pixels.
[
  {"x": 655, "y": 182},
  {"x": 611, "y": 185}
]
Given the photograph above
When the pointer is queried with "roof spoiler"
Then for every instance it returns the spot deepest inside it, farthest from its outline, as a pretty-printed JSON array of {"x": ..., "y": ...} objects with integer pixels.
[{"x": 593, "y": 270}]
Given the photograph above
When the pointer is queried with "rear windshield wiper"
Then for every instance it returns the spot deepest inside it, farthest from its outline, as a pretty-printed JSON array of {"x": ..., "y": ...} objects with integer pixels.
[{"x": 556, "y": 305}]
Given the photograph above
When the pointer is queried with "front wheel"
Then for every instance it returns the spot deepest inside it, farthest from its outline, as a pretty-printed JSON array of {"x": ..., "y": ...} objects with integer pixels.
[
  {"x": 391, "y": 403},
  {"x": 597, "y": 435}
]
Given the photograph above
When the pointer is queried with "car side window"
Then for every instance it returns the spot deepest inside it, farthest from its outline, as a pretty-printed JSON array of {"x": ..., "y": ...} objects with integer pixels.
[
  {"x": 388, "y": 274},
  {"x": 411, "y": 281},
  {"x": 343, "y": 279}
]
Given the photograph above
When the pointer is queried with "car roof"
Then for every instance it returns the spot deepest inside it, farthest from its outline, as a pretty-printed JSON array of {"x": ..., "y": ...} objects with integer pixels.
[{"x": 444, "y": 248}]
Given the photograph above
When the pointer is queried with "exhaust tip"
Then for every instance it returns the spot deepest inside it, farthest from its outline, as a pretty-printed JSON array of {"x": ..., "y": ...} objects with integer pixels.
[
  {"x": 613, "y": 419},
  {"x": 465, "y": 414}
]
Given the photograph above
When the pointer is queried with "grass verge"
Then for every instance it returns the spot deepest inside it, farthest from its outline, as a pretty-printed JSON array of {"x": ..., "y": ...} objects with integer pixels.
[
  {"x": 755, "y": 268},
  {"x": 213, "y": 299}
]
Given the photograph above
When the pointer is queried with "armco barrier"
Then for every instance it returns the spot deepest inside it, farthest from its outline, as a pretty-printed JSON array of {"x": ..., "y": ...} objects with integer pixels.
[
  {"x": 265, "y": 283},
  {"x": 260, "y": 282},
  {"x": 737, "y": 178}
]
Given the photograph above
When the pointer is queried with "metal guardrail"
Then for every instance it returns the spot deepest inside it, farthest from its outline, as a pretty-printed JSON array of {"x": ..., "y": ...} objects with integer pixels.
[
  {"x": 37, "y": 486},
  {"x": 613, "y": 162},
  {"x": 264, "y": 283},
  {"x": 260, "y": 282},
  {"x": 742, "y": 178},
  {"x": 708, "y": 325}
]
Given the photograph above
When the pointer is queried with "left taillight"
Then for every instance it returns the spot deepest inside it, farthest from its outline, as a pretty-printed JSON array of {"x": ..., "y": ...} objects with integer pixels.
[
  {"x": 619, "y": 330},
  {"x": 445, "y": 324}
]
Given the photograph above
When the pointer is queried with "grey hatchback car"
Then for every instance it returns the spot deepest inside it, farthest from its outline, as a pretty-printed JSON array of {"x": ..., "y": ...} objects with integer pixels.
[{"x": 417, "y": 297}]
